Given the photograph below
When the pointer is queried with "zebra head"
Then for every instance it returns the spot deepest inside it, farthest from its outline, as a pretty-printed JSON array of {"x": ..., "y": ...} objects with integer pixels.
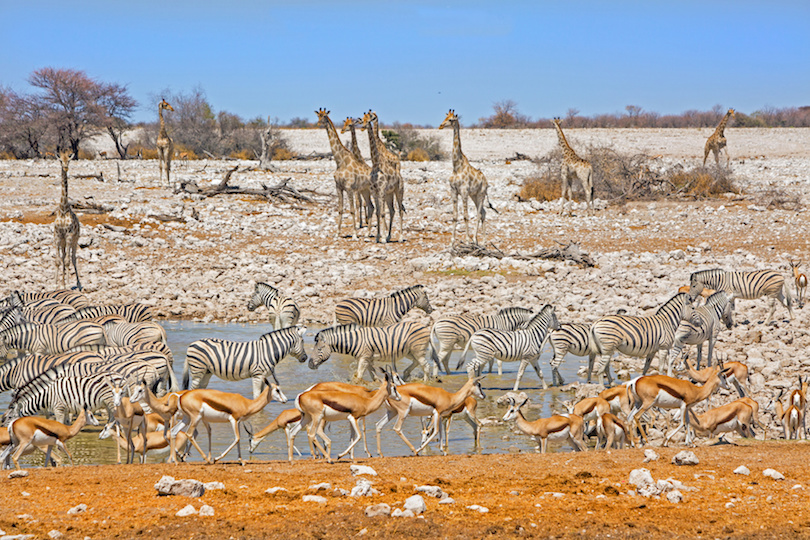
[
  {"x": 514, "y": 408},
  {"x": 422, "y": 301},
  {"x": 261, "y": 292},
  {"x": 4, "y": 348},
  {"x": 297, "y": 349},
  {"x": 722, "y": 303},
  {"x": 323, "y": 350}
]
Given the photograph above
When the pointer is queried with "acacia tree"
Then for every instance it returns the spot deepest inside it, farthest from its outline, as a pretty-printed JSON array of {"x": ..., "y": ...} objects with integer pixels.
[
  {"x": 23, "y": 125},
  {"x": 118, "y": 107}
]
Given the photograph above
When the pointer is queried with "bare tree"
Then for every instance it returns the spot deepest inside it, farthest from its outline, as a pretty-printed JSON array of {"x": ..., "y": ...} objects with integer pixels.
[
  {"x": 23, "y": 125},
  {"x": 118, "y": 107}
]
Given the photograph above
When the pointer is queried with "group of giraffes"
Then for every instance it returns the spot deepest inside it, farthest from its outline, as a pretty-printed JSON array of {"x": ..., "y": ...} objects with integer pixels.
[{"x": 368, "y": 187}]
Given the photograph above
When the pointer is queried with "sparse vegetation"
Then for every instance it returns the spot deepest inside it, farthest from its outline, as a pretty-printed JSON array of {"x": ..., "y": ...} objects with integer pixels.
[{"x": 411, "y": 144}]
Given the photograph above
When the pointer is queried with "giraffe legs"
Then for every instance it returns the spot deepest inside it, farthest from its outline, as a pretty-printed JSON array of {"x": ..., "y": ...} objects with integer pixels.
[
  {"x": 455, "y": 216},
  {"x": 466, "y": 219},
  {"x": 61, "y": 247}
]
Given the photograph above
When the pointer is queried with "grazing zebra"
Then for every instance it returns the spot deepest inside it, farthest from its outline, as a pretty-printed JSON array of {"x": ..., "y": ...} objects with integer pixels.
[
  {"x": 703, "y": 326},
  {"x": 50, "y": 338},
  {"x": 455, "y": 330},
  {"x": 104, "y": 350},
  {"x": 11, "y": 317},
  {"x": 745, "y": 285},
  {"x": 638, "y": 336},
  {"x": 46, "y": 311},
  {"x": 21, "y": 370},
  {"x": 573, "y": 338},
  {"x": 389, "y": 343},
  {"x": 284, "y": 312},
  {"x": 522, "y": 345},
  {"x": 74, "y": 299},
  {"x": 237, "y": 360},
  {"x": 382, "y": 311},
  {"x": 124, "y": 334},
  {"x": 130, "y": 312}
]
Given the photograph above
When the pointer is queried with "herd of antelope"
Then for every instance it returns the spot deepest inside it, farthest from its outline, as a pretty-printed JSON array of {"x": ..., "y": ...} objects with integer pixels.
[{"x": 75, "y": 359}]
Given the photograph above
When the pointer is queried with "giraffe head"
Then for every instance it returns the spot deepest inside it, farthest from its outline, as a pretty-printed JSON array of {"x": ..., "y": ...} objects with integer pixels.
[
  {"x": 323, "y": 116},
  {"x": 732, "y": 112},
  {"x": 556, "y": 120},
  {"x": 165, "y": 105},
  {"x": 449, "y": 120},
  {"x": 65, "y": 157},
  {"x": 367, "y": 119},
  {"x": 347, "y": 124}
]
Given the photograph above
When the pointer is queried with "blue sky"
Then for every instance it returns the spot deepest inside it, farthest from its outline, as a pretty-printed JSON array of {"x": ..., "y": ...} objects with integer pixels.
[{"x": 411, "y": 61}]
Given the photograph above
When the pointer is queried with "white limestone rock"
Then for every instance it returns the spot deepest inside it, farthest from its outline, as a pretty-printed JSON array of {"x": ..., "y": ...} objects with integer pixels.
[
  {"x": 314, "y": 498},
  {"x": 772, "y": 473},
  {"x": 362, "y": 469},
  {"x": 187, "y": 510},
  {"x": 416, "y": 504},
  {"x": 742, "y": 469},
  {"x": 381, "y": 509},
  {"x": 685, "y": 457}
]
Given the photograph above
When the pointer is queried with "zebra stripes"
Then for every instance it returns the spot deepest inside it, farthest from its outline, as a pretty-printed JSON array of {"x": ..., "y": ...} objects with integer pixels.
[
  {"x": 50, "y": 338},
  {"x": 46, "y": 311},
  {"x": 638, "y": 336},
  {"x": 130, "y": 312},
  {"x": 573, "y": 338},
  {"x": 703, "y": 326},
  {"x": 124, "y": 334},
  {"x": 283, "y": 310},
  {"x": 20, "y": 371},
  {"x": 237, "y": 360},
  {"x": 388, "y": 343},
  {"x": 746, "y": 285},
  {"x": 72, "y": 298},
  {"x": 455, "y": 330},
  {"x": 522, "y": 345},
  {"x": 382, "y": 311}
]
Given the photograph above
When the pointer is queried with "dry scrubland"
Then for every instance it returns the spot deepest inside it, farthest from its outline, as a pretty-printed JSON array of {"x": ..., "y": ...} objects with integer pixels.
[{"x": 204, "y": 268}]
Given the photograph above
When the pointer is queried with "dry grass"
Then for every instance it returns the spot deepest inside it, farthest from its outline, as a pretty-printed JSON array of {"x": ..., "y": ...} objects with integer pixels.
[
  {"x": 282, "y": 153},
  {"x": 543, "y": 188},
  {"x": 418, "y": 154}
]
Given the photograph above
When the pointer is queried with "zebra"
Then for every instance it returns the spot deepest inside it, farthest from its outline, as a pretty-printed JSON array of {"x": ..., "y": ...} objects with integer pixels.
[
  {"x": 50, "y": 338},
  {"x": 388, "y": 343},
  {"x": 284, "y": 312},
  {"x": 123, "y": 334},
  {"x": 74, "y": 299},
  {"x": 131, "y": 312},
  {"x": 12, "y": 316},
  {"x": 745, "y": 285},
  {"x": 456, "y": 330},
  {"x": 105, "y": 350},
  {"x": 46, "y": 311},
  {"x": 522, "y": 345},
  {"x": 19, "y": 371},
  {"x": 382, "y": 311},
  {"x": 703, "y": 326},
  {"x": 237, "y": 360},
  {"x": 638, "y": 336},
  {"x": 573, "y": 338}
]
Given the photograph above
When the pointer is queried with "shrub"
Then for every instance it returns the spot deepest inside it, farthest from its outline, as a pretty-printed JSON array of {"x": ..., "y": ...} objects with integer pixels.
[
  {"x": 403, "y": 138},
  {"x": 418, "y": 154},
  {"x": 281, "y": 153},
  {"x": 543, "y": 188},
  {"x": 85, "y": 154},
  {"x": 242, "y": 154}
]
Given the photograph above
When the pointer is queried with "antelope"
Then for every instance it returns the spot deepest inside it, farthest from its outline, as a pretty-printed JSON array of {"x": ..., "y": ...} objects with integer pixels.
[
  {"x": 800, "y": 281},
  {"x": 288, "y": 420},
  {"x": 5, "y": 440},
  {"x": 28, "y": 432},
  {"x": 320, "y": 406},
  {"x": 155, "y": 441},
  {"x": 207, "y": 406},
  {"x": 417, "y": 399},
  {"x": 618, "y": 399},
  {"x": 705, "y": 293},
  {"x": 613, "y": 431},
  {"x": 670, "y": 393},
  {"x": 557, "y": 427},
  {"x": 165, "y": 406},
  {"x": 790, "y": 417},
  {"x": 588, "y": 409},
  {"x": 798, "y": 398},
  {"x": 736, "y": 373},
  {"x": 468, "y": 409},
  {"x": 127, "y": 414},
  {"x": 735, "y": 416}
]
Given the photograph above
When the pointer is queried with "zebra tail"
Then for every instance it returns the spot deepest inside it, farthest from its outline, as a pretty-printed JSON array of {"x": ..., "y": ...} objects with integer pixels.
[
  {"x": 463, "y": 353},
  {"x": 594, "y": 347},
  {"x": 173, "y": 386},
  {"x": 185, "y": 374},
  {"x": 788, "y": 294}
]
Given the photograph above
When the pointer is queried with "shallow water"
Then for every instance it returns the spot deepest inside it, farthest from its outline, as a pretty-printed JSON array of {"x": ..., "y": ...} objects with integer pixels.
[{"x": 496, "y": 437}]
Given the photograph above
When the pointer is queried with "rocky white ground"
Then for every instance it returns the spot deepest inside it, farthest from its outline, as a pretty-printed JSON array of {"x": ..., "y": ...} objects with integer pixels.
[{"x": 205, "y": 268}]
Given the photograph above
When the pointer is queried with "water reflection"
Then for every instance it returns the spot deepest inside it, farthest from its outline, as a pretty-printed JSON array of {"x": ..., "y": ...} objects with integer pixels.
[{"x": 294, "y": 378}]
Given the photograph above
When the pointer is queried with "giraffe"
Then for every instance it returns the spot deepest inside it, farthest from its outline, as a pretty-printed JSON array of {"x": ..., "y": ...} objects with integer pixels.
[
  {"x": 393, "y": 165},
  {"x": 573, "y": 164},
  {"x": 465, "y": 182},
  {"x": 364, "y": 192},
  {"x": 66, "y": 229},
  {"x": 386, "y": 182},
  {"x": 165, "y": 147},
  {"x": 351, "y": 174},
  {"x": 717, "y": 141}
]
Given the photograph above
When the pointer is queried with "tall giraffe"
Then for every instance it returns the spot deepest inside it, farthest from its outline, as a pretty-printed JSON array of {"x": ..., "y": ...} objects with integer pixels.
[
  {"x": 386, "y": 182},
  {"x": 165, "y": 146},
  {"x": 465, "y": 182},
  {"x": 66, "y": 229},
  {"x": 364, "y": 192},
  {"x": 573, "y": 164},
  {"x": 717, "y": 141},
  {"x": 350, "y": 173},
  {"x": 393, "y": 160}
]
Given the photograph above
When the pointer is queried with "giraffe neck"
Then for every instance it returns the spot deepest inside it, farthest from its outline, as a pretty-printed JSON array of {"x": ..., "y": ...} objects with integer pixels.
[
  {"x": 355, "y": 147},
  {"x": 64, "y": 203},
  {"x": 372, "y": 143},
  {"x": 340, "y": 152},
  {"x": 722, "y": 125},
  {"x": 162, "y": 123},
  {"x": 568, "y": 152},
  {"x": 458, "y": 156}
]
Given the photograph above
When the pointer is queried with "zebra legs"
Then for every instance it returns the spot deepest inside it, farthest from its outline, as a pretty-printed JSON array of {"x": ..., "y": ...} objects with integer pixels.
[{"x": 522, "y": 369}]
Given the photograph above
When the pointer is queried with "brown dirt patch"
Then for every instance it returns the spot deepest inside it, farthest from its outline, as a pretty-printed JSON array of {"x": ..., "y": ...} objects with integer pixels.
[{"x": 517, "y": 490}]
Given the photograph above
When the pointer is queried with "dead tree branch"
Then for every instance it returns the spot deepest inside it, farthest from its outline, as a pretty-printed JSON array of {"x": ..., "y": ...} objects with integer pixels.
[{"x": 568, "y": 252}]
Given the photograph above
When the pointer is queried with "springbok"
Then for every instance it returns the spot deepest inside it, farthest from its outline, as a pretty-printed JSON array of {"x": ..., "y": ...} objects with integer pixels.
[
  {"x": 417, "y": 399},
  {"x": 736, "y": 373},
  {"x": 155, "y": 441},
  {"x": 557, "y": 427},
  {"x": 588, "y": 409},
  {"x": 287, "y": 420},
  {"x": 165, "y": 406},
  {"x": 35, "y": 431},
  {"x": 207, "y": 406},
  {"x": 790, "y": 417},
  {"x": 617, "y": 397},
  {"x": 800, "y": 280},
  {"x": 467, "y": 409},
  {"x": 735, "y": 416},
  {"x": 321, "y": 406},
  {"x": 613, "y": 431},
  {"x": 670, "y": 393},
  {"x": 127, "y": 414}
]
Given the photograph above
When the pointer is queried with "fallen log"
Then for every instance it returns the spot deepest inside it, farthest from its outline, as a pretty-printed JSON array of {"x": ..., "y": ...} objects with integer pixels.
[{"x": 569, "y": 252}]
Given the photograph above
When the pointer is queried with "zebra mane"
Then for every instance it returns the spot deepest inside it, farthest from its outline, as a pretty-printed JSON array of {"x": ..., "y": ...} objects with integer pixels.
[
  {"x": 514, "y": 310},
  {"x": 544, "y": 314},
  {"x": 406, "y": 290},
  {"x": 704, "y": 275},
  {"x": 717, "y": 298},
  {"x": 333, "y": 330},
  {"x": 288, "y": 330},
  {"x": 262, "y": 284}
]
